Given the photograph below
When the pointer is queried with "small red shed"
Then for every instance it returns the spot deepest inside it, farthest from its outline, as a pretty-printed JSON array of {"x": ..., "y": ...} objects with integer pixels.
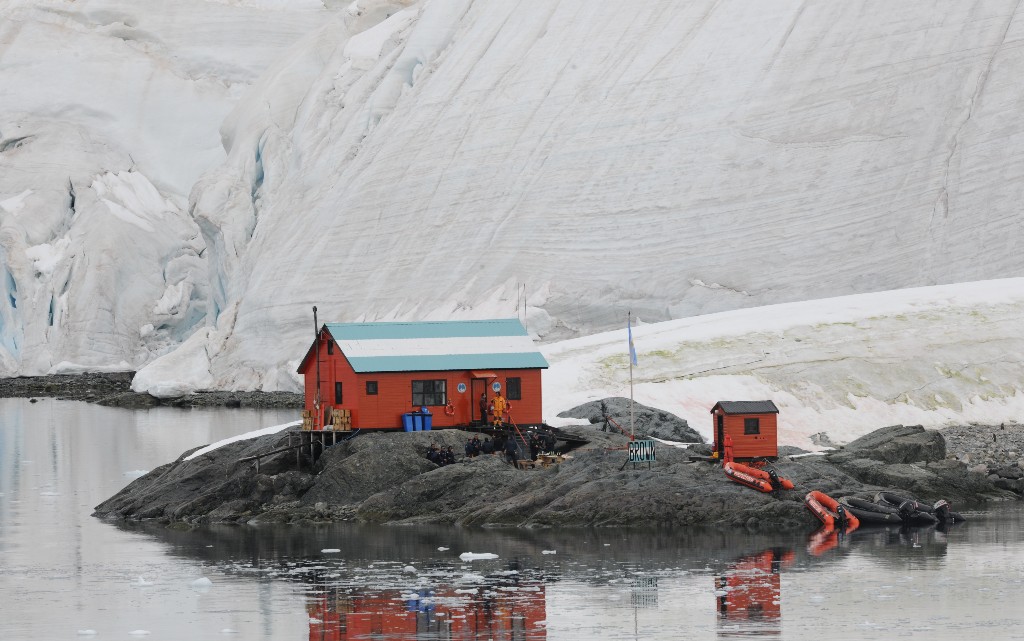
[
  {"x": 752, "y": 425},
  {"x": 376, "y": 372}
]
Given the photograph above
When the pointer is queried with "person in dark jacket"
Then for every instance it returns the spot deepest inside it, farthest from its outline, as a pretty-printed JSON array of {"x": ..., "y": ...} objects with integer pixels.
[
  {"x": 511, "y": 451},
  {"x": 487, "y": 447}
]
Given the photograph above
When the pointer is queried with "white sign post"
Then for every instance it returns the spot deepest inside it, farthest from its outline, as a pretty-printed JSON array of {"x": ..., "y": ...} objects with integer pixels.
[{"x": 641, "y": 452}]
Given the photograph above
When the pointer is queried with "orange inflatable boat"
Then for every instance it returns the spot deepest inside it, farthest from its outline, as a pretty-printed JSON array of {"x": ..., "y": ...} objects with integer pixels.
[
  {"x": 830, "y": 512},
  {"x": 765, "y": 481}
]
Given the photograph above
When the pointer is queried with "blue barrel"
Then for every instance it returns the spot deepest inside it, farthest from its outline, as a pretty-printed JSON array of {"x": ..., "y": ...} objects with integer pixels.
[
  {"x": 428, "y": 419},
  {"x": 407, "y": 423}
]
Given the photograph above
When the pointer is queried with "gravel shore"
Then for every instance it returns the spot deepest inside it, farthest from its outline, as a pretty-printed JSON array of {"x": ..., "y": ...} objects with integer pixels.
[{"x": 114, "y": 389}]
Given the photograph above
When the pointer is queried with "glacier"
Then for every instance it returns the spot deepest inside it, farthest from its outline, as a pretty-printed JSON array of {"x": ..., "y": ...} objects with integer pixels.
[{"x": 557, "y": 160}]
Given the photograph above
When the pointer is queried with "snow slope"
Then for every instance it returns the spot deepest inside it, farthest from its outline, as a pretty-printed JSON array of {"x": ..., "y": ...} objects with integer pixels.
[
  {"x": 672, "y": 158},
  {"x": 843, "y": 366},
  {"x": 559, "y": 160}
]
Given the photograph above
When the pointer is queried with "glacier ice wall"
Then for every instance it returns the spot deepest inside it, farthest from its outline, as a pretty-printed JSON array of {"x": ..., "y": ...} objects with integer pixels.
[
  {"x": 110, "y": 111},
  {"x": 453, "y": 157}
]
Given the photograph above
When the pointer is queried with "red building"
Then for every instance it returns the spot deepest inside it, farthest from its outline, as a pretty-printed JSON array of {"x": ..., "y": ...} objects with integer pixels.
[
  {"x": 380, "y": 371},
  {"x": 752, "y": 426}
]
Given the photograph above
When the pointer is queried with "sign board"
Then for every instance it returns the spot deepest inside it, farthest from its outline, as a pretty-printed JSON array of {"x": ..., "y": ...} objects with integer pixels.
[
  {"x": 496, "y": 386},
  {"x": 641, "y": 452},
  {"x": 462, "y": 388}
]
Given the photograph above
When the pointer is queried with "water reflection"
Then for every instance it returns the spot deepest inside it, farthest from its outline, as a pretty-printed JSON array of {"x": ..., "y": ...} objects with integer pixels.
[
  {"x": 749, "y": 593},
  {"x": 61, "y": 570},
  {"x": 499, "y": 608}
]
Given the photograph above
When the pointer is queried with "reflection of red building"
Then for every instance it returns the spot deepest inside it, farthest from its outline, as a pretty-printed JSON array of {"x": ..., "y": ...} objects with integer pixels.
[
  {"x": 490, "y": 613},
  {"x": 751, "y": 591}
]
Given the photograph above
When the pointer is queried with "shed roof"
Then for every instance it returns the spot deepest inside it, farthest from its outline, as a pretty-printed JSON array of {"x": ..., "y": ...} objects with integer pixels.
[
  {"x": 746, "y": 407},
  {"x": 436, "y": 345}
]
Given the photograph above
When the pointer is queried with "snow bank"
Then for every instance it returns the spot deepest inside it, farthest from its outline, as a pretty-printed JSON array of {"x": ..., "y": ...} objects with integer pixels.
[{"x": 242, "y": 437}]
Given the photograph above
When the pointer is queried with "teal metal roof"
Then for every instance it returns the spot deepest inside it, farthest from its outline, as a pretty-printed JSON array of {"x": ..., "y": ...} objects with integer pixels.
[
  {"x": 430, "y": 329},
  {"x": 436, "y": 346}
]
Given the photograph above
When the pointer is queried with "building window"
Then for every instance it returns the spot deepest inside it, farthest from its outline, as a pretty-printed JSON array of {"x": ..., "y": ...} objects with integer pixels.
[
  {"x": 751, "y": 426},
  {"x": 429, "y": 392},
  {"x": 330, "y": 346},
  {"x": 371, "y": 388},
  {"x": 514, "y": 389},
  {"x": 337, "y": 393}
]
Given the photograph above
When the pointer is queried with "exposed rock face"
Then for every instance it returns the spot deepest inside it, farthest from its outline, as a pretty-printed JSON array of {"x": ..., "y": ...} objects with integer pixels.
[
  {"x": 647, "y": 421},
  {"x": 894, "y": 444},
  {"x": 386, "y": 478}
]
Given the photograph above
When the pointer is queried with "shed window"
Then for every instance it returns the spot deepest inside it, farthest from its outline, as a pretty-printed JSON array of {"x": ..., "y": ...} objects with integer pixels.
[
  {"x": 330, "y": 347},
  {"x": 337, "y": 393},
  {"x": 751, "y": 426},
  {"x": 371, "y": 388},
  {"x": 514, "y": 389},
  {"x": 429, "y": 392}
]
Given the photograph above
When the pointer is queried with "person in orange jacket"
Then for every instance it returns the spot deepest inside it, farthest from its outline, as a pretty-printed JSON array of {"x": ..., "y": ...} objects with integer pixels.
[{"x": 498, "y": 405}]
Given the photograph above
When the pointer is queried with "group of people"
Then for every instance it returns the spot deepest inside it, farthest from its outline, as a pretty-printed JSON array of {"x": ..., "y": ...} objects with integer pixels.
[
  {"x": 537, "y": 442},
  {"x": 440, "y": 455},
  {"x": 476, "y": 447}
]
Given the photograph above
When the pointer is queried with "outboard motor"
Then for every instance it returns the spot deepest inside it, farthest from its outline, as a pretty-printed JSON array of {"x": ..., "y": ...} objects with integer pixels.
[
  {"x": 906, "y": 510},
  {"x": 842, "y": 520}
]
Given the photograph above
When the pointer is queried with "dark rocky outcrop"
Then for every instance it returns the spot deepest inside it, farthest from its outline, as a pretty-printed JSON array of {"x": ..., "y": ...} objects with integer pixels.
[
  {"x": 895, "y": 444},
  {"x": 386, "y": 478},
  {"x": 647, "y": 421}
]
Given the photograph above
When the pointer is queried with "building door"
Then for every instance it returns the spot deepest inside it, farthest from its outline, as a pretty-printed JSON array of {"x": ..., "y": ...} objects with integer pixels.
[
  {"x": 720, "y": 434},
  {"x": 477, "y": 387}
]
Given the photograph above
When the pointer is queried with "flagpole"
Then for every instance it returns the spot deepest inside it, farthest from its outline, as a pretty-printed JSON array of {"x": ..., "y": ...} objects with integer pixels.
[{"x": 629, "y": 325}]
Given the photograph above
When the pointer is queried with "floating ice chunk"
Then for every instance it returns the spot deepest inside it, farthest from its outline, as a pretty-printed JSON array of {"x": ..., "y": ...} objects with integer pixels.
[
  {"x": 443, "y": 549},
  {"x": 228, "y": 631},
  {"x": 549, "y": 552},
  {"x": 476, "y": 556},
  {"x": 143, "y": 582},
  {"x": 314, "y": 621},
  {"x": 202, "y": 583},
  {"x": 409, "y": 569},
  {"x": 330, "y": 550},
  {"x": 139, "y": 633},
  {"x": 467, "y": 591},
  {"x": 87, "y": 633},
  {"x": 720, "y": 593},
  {"x": 472, "y": 578},
  {"x": 817, "y": 598}
]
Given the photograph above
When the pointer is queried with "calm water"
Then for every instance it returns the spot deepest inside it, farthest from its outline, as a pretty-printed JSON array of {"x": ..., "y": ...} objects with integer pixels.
[{"x": 62, "y": 571}]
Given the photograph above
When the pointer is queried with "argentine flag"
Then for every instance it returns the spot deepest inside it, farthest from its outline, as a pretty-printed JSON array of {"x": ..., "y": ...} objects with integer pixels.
[{"x": 632, "y": 348}]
